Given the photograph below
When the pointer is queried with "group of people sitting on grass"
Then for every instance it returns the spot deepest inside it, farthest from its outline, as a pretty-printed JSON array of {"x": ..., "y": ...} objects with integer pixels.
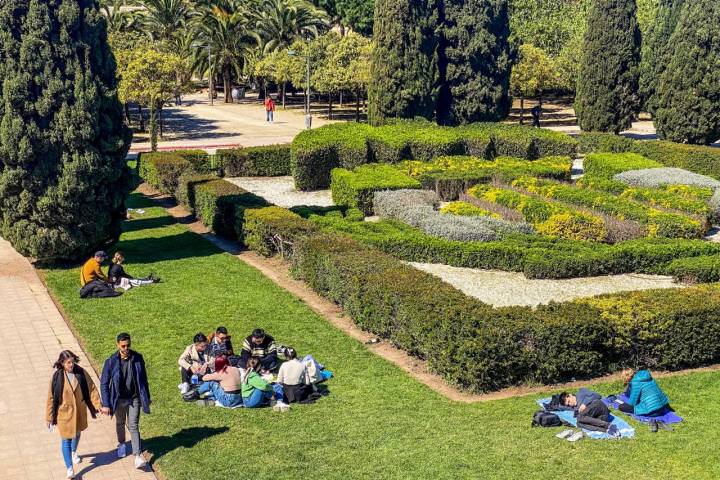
[
  {"x": 644, "y": 398},
  {"x": 210, "y": 369},
  {"x": 95, "y": 284}
]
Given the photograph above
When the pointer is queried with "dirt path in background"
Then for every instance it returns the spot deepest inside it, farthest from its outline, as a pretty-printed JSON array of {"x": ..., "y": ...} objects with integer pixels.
[{"x": 278, "y": 271}]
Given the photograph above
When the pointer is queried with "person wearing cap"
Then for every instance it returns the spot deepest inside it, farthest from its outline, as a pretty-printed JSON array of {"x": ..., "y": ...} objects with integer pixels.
[{"x": 92, "y": 270}]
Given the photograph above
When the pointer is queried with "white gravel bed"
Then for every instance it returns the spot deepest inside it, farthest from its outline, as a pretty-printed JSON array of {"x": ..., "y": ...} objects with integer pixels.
[
  {"x": 281, "y": 191},
  {"x": 504, "y": 289},
  {"x": 578, "y": 168}
]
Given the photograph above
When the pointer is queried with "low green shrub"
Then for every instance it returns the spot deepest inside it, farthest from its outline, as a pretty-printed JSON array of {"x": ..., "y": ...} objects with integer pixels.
[
  {"x": 659, "y": 223},
  {"x": 274, "y": 230},
  {"x": 162, "y": 170},
  {"x": 185, "y": 192},
  {"x": 199, "y": 160},
  {"x": 356, "y": 189},
  {"x": 221, "y": 206},
  {"x": 607, "y": 165},
  {"x": 695, "y": 158},
  {"x": 535, "y": 256},
  {"x": 466, "y": 209},
  {"x": 265, "y": 161},
  {"x": 702, "y": 269},
  {"x": 590, "y": 142},
  {"x": 315, "y": 153}
]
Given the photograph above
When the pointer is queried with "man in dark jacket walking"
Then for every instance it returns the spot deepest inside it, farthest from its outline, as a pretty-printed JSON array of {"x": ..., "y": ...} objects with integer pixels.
[{"x": 123, "y": 391}]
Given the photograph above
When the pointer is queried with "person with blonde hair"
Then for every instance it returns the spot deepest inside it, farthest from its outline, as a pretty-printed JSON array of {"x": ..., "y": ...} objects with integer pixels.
[
  {"x": 645, "y": 397},
  {"x": 72, "y": 393},
  {"x": 119, "y": 278}
]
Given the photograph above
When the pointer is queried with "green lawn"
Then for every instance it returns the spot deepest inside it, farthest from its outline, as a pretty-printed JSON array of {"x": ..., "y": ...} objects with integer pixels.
[{"x": 377, "y": 421}]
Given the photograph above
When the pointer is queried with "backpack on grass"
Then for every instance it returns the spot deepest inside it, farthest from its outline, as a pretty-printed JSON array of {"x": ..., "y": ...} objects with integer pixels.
[{"x": 541, "y": 418}]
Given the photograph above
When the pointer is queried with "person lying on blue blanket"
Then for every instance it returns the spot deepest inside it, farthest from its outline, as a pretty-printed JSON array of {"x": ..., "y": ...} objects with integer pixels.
[
  {"x": 592, "y": 414},
  {"x": 645, "y": 397}
]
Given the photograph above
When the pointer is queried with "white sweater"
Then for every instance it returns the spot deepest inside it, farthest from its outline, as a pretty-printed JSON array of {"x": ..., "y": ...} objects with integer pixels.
[{"x": 293, "y": 372}]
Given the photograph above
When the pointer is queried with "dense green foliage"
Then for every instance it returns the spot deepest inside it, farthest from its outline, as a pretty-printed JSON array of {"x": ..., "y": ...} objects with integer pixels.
[
  {"x": 221, "y": 205},
  {"x": 688, "y": 92},
  {"x": 274, "y": 230},
  {"x": 356, "y": 188},
  {"x": 700, "y": 269},
  {"x": 607, "y": 165},
  {"x": 363, "y": 423},
  {"x": 185, "y": 191},
  {"x": 266, "y": 161},
  {"x": 475, "y": 60},
  {"x": 404, "y": 69},
  {"x": 63, "y": 176},
  {"x": 656, "y": 49},
  {"x": 695, "y": 158},
  {"x": 316, "y": 152},
  {"x": 162, "y": 170},
  {"x": 535, "y": 256},
  {"x": 607, "y": 84}
]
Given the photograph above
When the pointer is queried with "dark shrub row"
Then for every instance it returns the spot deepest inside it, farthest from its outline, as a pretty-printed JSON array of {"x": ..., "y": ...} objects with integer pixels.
[
  {"x": 162, "y": 170},
  {"x": 356, "y": 188},
  {"x": 267, "y": 161},
  {"x": 221, "y": 206},
  {"x": 273, "y": 230},
  {"x": 316, "y": 152},
  {"x": 695, "y": 158}
]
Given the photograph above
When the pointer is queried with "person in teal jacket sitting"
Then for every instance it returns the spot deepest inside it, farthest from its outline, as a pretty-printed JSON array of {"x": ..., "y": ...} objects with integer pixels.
[
  {"x": 645, "y": 397},
  {"x": 257, "y": 392}
]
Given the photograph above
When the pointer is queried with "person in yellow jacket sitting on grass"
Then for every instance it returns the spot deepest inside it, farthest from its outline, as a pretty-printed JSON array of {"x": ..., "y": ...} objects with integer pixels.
[{"x": 93, "y": 282}]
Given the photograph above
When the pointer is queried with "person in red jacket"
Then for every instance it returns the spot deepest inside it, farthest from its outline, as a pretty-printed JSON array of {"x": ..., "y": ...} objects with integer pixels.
[{"x": 269, "y": 108}]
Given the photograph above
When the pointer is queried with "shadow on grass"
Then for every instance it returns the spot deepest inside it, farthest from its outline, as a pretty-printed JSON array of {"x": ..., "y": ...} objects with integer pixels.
[
  {"x": 173, "y": 247},
  {"x": 138, "y": 200},
  {"x": 185, "y": 438},
  {"x": 147, "y": 223}
]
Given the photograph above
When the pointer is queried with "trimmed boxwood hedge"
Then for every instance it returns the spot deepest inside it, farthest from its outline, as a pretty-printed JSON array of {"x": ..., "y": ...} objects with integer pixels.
[
  {"x": 185, "y": 192},
  {"x": 316, "y": 152},
  {"x": 356, "y": 189},
  {"x": 163, "y": 169},
  {"x": 268, "y": 229},
  {"x": 703, "y": 269},
  {"x": 265, "y": 161},
  {"x": 221, "y": 206}
]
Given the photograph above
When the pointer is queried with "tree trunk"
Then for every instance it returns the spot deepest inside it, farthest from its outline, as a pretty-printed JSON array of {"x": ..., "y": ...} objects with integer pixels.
[
  {"x": 341, "y": 99},
  {"x": 160, "y": 121},
  {"x": 329, "y": 106},
  {"x": 227, "y": 85},
  {"x": 357, "y": 107},
  {"x": 522, "y": 109},
  {"x": 153, "y": 128},
  {"x": 284, "y": 87},
  {"x": 126, "y": 108},
  {"x": 142, "y": 120}
]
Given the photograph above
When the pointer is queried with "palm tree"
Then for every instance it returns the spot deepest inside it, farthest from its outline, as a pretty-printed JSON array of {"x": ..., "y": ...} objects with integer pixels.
[
  {"x": 163, "y": 19},
  {"x": 224, "y": 38},
  {"x": 121, "y": 15},
  {"x": 281, "y": 22}
]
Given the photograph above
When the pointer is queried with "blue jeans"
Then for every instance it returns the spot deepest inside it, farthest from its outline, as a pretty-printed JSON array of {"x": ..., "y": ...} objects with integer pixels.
[
  {"x": 225, "y": 399},
  {"x": 269, "y": 115},
  {"x": 68, "y": 446},
  {"x": 259, "y": 397}
]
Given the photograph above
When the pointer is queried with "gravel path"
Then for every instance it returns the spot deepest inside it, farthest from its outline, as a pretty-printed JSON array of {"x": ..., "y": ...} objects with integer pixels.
[
  {"x": 281, "y": 191},
  {"x": 504, "y": 289}
]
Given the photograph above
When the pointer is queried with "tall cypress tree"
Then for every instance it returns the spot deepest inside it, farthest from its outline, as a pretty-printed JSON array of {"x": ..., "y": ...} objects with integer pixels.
[
  {"x": 655, "y": 50},
  {"x": 475, "y": 61},
  {"x": 688, "y": 94},
  {"x": 607, "y": 86},
  {"x": 63, "y": 176},
  {"x": 404, "y": 64}
]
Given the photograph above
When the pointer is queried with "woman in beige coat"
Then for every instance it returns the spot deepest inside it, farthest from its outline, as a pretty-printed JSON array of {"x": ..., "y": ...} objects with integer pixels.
[{"x": 72, "y": 393}]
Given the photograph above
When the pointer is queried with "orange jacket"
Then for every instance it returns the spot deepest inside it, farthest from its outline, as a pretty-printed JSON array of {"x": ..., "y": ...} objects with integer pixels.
[
  {"x": 269, "y": 104},
  {"x": 91, "y": 271}
]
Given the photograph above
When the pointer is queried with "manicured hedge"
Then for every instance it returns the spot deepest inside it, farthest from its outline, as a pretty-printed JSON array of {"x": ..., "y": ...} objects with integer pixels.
[
  {"x": 481, "y": 349},
  {"x": 162, "y": 170},
  {"x": 701, "y": 269},
  {"x": 356, "y": 189},
  {"x": 467, "y": 209},
  {"x": 660, "y": 223},
  {"x": 607, "y": 165},
  {"x": 273, "y": 230},
  {"x": 535, "y": 256},
  {"x": 266, "y": 161},
  {"x": 695, "y": 158},
  {"x": 199, "y": 160},
  {"x": 316, "y": 152},
  {"x": 466, "y": 341},
  {"x": 221, "y": 206},
  {"x": 185, "y": 192}
]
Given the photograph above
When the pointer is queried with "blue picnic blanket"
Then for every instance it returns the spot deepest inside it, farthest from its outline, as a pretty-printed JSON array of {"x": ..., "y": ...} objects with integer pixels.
[
  {"x": 626, "y": 431},
  {"x": 669, "y": 417}
]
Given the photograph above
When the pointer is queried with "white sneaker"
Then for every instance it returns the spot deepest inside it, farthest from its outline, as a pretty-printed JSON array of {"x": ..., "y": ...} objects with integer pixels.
[
  {"x": 70, "y": 473},
  {"x": 75, "y": 458},
  {"x": 281, "y": 406},
  {"x": 139, "y": 461},
  {"x": 121, "y": 450},
  {"x": 184, "y": 388}
]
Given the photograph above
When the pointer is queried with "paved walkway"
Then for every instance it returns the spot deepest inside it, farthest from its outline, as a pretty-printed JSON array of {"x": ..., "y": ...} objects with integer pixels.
[
  {"x": 32, "y": 334},
  {"x": 197, "y": 124}
]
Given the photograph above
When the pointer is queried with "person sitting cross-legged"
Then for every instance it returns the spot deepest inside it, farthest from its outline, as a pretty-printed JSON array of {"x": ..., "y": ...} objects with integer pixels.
[
  {"x": 93, "y": 282},
  {"x": 256, "y": 391},
  {"x": 220, "y": 344},
  {"x": 193, "y": 361},
  {"x": 225, "y": 385},
  {"x": 294, "y": 378},
  {"x": 645, "y": 397},
  {"x": 259, "y": 344},
  {"x": 121, "y": 279}
]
